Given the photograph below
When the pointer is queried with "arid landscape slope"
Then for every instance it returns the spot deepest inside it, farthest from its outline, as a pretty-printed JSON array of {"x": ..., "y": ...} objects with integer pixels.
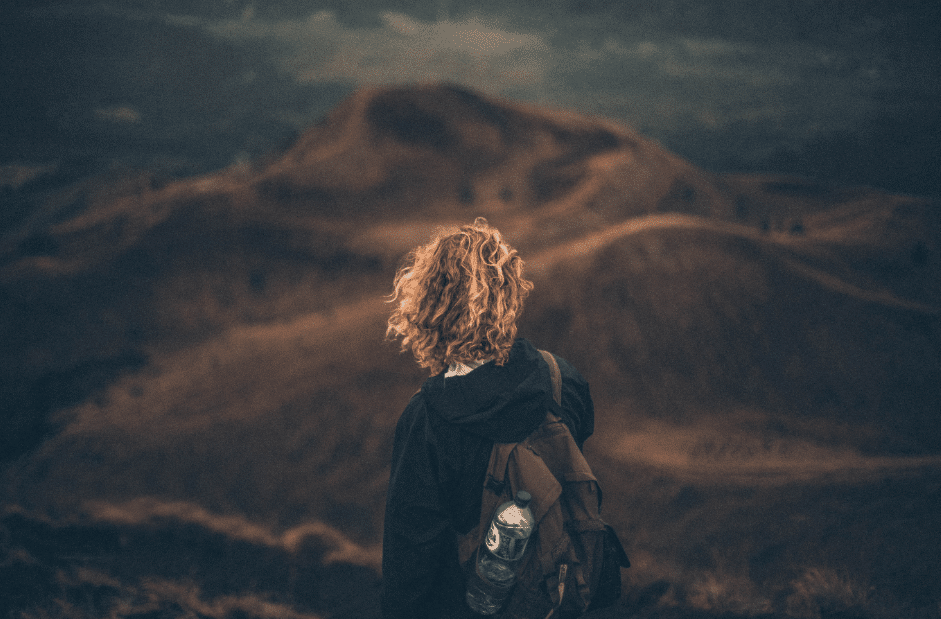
[{"x": 198, "y": 403}]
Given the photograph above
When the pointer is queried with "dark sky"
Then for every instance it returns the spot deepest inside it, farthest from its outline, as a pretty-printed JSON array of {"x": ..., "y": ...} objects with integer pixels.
[{"x": 848, "y": 91}]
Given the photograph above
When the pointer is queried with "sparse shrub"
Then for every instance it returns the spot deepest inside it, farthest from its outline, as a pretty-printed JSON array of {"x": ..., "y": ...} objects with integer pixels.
[
  {"x": 820, "y": 593},
  {"x": 726, "y": 593}
]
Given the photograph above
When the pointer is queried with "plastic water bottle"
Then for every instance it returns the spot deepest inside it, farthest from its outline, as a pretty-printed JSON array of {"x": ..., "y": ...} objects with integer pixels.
[{"x": 500, "y": 555}]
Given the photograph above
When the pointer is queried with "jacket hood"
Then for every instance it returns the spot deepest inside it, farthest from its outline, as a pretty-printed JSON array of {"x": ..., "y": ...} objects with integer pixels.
[{"x": 501, "y": 403}]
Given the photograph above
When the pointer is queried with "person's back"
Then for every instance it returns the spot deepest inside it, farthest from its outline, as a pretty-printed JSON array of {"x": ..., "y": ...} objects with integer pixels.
[{"x": 458, "y": 300}]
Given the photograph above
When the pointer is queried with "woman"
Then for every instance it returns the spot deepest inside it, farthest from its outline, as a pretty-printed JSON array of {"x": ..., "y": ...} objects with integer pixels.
[{"x": 458, "y": 302}]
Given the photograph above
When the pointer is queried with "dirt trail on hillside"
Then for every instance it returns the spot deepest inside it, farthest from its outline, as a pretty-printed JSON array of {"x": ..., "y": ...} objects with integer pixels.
[
  {"x": 787, "y": 248},
  {"x": 712, "y": 454}
]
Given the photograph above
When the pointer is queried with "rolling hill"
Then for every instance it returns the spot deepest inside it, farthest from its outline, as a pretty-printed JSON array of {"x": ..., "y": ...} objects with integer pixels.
[{"x": 196, "y": 384}]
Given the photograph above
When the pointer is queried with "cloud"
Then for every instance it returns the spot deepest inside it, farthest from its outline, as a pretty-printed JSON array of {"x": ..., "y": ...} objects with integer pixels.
[
  {"x": 666, "y": 83},
  {"x": 625, "y": 74},
  {"x": 123, "y": 114},
  {"x": 472, "y": 51},
  {"x": 15, "y": 175},
  {"x": 712, "y": 96},
  {"x": 647, "y": 75}
]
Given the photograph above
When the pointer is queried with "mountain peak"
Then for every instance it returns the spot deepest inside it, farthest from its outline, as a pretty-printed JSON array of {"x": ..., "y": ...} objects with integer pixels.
[{"x": 440, "y": 148}]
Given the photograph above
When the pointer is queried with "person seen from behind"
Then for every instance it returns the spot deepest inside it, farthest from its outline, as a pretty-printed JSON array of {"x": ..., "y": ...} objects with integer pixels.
[{"x": 458, "y": 300}]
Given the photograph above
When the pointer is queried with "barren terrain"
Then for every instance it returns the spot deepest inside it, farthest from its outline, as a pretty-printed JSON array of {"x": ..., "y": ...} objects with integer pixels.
[{"x": 198, "y": 403}]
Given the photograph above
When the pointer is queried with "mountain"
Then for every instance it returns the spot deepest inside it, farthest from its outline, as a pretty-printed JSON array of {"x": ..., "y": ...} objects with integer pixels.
[{"x": 200, "y": 366}]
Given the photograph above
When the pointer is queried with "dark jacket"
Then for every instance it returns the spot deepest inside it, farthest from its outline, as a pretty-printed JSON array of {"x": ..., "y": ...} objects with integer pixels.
[{"x": 440, "y": 456}]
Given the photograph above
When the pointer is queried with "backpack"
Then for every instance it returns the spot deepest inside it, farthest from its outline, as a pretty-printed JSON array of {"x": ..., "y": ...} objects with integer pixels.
[{"x": 573, "y": 559}]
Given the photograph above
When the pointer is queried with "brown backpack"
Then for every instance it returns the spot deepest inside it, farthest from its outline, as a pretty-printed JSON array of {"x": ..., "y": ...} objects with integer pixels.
[{"x": 572, "y": 562}]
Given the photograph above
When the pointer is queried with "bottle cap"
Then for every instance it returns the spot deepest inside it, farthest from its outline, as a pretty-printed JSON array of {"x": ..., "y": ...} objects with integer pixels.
[{"x": 523, "y": 498}]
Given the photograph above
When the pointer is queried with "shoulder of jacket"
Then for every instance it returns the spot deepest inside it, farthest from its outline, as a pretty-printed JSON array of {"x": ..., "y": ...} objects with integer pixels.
[
  {"x": 414, "y": 409},
  {"x": 569, "y": 372}
]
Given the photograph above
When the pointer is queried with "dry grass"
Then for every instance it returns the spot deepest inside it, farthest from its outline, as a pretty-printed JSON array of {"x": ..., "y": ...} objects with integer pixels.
[
  {"x": 215, "y": 344},
  {"x": 89, "y": 594},
  {"x": 821, "y": 592}
]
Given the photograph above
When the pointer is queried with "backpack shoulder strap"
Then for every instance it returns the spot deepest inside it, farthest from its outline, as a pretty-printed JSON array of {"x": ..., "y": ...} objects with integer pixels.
[
  {"x": 556, "y": 376},
  {"x": 497, "y": 485}
]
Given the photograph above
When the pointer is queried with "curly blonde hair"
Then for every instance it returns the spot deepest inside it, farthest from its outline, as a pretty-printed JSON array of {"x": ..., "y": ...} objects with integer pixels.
[{"x": 459, "y": 297}]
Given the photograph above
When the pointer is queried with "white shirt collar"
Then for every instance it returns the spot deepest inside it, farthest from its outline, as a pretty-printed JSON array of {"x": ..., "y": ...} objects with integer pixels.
[{"x": 462, "y": 369}]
